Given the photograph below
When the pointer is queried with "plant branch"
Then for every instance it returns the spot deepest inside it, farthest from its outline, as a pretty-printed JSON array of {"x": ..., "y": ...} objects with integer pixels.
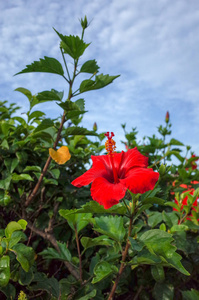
[
  {"x": 122, "y": 266},
  {"x": 36, "y": 188},
  {"x": 79, "y": 254},
  {"x": 50, "y": 237}
]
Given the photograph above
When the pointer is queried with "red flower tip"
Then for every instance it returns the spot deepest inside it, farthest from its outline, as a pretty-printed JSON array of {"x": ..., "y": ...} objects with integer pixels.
[{"x": 110, "y": 143}]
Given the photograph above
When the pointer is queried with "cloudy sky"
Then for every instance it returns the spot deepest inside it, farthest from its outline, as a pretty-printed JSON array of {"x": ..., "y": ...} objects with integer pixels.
[{"x": 153, "y": 45}]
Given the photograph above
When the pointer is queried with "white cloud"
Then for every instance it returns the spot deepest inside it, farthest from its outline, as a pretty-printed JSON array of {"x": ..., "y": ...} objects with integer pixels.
[{"x": 153, "y": 45}]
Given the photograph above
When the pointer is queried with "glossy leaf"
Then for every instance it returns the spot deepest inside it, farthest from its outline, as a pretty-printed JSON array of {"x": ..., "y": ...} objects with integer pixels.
[
  {"x": 4, "y": 270},
  {"x": 90, "y": 295},
  {"x": 46, "y": 123},
  {"x": 89, "y": 66},
  {"x": 102, "y": 240},
  {"x": 47, "y": 65},
  {"x": 78, "y": 131},
  {"x": 25, "y": 255},
  {"x": 111, "y": 226},
  {"x": 157, "y": 272},
  {"x": 72, "y": 45},
  {"x": 78, "y": 221},
  {"x": 190, "y": 295},
  {"x": 102, "y": 270},
  {"x": 19, "y": 177},
  {"x": 48, "y": 96},
  {"x": 99, "y": 82}
]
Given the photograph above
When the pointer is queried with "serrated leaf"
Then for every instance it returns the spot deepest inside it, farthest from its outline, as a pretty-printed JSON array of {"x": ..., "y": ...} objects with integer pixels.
[
  {"x": 94, "y": 208},
  {"x": 102, "y": 270},
  {"x": 78, "y": 131},
  {"x": 190, "y": 295},
  {"x": 153, "y": 200},
  {"x": 154, "y": 219},
  {"x": 46, "y": 123},
  {"x": 158, "y": 242},
  {"x": 90, "y": 66},
  {"x": 72, "y": 45},
  {"x": 180, "y": 227},
  {"x": 76, "y": 221},
  {"x": 98, "y": 241},
  {"x": 51, "y": 253},
  {"x": 47, "y": 65},
  {"x": 48, "y": 96},
  {"x": 99, "y": 82},
  {"x": 111, "y": 226},
  {"x": 175, "y": 142}
]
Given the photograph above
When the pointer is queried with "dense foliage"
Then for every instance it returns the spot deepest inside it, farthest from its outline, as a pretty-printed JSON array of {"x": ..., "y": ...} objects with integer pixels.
[{"x": 55, "y": 241}]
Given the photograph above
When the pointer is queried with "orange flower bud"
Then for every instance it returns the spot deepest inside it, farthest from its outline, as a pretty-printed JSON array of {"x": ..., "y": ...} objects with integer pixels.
[{"x": 167, "y": 117}]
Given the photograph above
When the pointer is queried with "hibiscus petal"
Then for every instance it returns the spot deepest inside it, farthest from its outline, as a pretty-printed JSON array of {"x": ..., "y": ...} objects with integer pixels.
[
  {"x": 106, "y": 193},
  {"x": 131, "y": 159},
  {"x": 97, "y": 170},
  {"x": 140, "y": 180}
]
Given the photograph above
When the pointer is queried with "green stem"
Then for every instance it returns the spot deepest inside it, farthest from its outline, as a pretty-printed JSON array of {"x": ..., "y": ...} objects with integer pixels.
[{"x": 68, "y": 80}]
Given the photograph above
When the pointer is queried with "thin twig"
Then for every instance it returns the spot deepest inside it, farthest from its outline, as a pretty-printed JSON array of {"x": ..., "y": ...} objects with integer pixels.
[
  {"x": 33, "y": 194},
  {"x": 79, "y": 254},
  {"x": 50, "y": 237},
  {"x": 122, "y": 266}
]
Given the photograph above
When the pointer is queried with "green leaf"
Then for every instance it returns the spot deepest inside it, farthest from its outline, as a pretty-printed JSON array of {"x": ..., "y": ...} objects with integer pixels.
[
  {"x": 111, "y": 226},
  {"x": 175, "y": 142},
  {"x": 15, "y": 238},
  {"x": 32, "y": 168},
  {"x": 176, "y": 154},
  {"x": 10, "y": 291},
  {"x": 4, "y": 144},
  {"x": 47, "y": 65},
  {"x": 163, "y": 291},
  {"x": 4, "y": 270},
  {"x": 48, "y": 96},
  {"x": 78, "y": 131},
  {"x": 94, "y": 208},
  {"x": 20, "y": 120},
  {"x": 26, "y": 92},
  {"x": 102, "y": 270},
  {"x": 78, "y": 221},
  {"x": 51, "y": 253},
  {"x": 11, "y": 164},
  {"x": 72, "y": 45},
  {"x": 190, "y": 295},
  {"x": 135, "y": 244},
  {"x": 5, "y": 183},
  {"x": 35, "y": 115},
  {"x": 180, "y": 227},
  {"x": 11, "y": 227},
  {"x": 50, "y": 285},
  {"x": 90, "y": 66},
  {"x": 157, "y": 272},
  {"x": 102, "y": 240},
  {"x": 158, "y": 242},
  {"x": 23, "y": 223},
  {"x": 154, "y": 219},
  {"x": 172, "y": 204},
  {"x": 99, "y": 82},
  {"x": 89, "y": 295},
  {"x": 25, "y": 255},
  {"x": 73, "y": 109},
  {"x": 18, "y": 177},
  {"x": 25, "y": 278},
  {"x": 46, "y": 123},
  {"x": 153, "y": 200}
]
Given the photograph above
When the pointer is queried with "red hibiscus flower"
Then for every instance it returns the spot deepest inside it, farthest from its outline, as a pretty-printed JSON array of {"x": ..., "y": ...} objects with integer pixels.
[{"x": 111, "y": 175}]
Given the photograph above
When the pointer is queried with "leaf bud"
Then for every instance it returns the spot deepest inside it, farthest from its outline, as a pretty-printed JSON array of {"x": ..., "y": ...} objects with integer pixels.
[
  {"x": 95, "y": 126},
  {"x": 84, "y": 23},
  {"x": 167, "y": 117}
]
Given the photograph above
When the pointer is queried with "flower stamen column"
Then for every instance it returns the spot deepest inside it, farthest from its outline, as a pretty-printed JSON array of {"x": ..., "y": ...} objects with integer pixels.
[{"x": 110, "y": 148}]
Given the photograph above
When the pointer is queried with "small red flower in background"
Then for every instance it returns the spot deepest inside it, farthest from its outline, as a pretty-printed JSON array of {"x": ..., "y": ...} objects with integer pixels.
[
  {"x": 111, "y": 175},
  {"x": 185, "y": 200},
  {"x": 193, "y": 163}
]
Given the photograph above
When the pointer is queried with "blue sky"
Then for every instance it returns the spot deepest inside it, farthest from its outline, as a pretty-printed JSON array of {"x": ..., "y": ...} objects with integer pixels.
[{"x": 153, "y": 45}]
